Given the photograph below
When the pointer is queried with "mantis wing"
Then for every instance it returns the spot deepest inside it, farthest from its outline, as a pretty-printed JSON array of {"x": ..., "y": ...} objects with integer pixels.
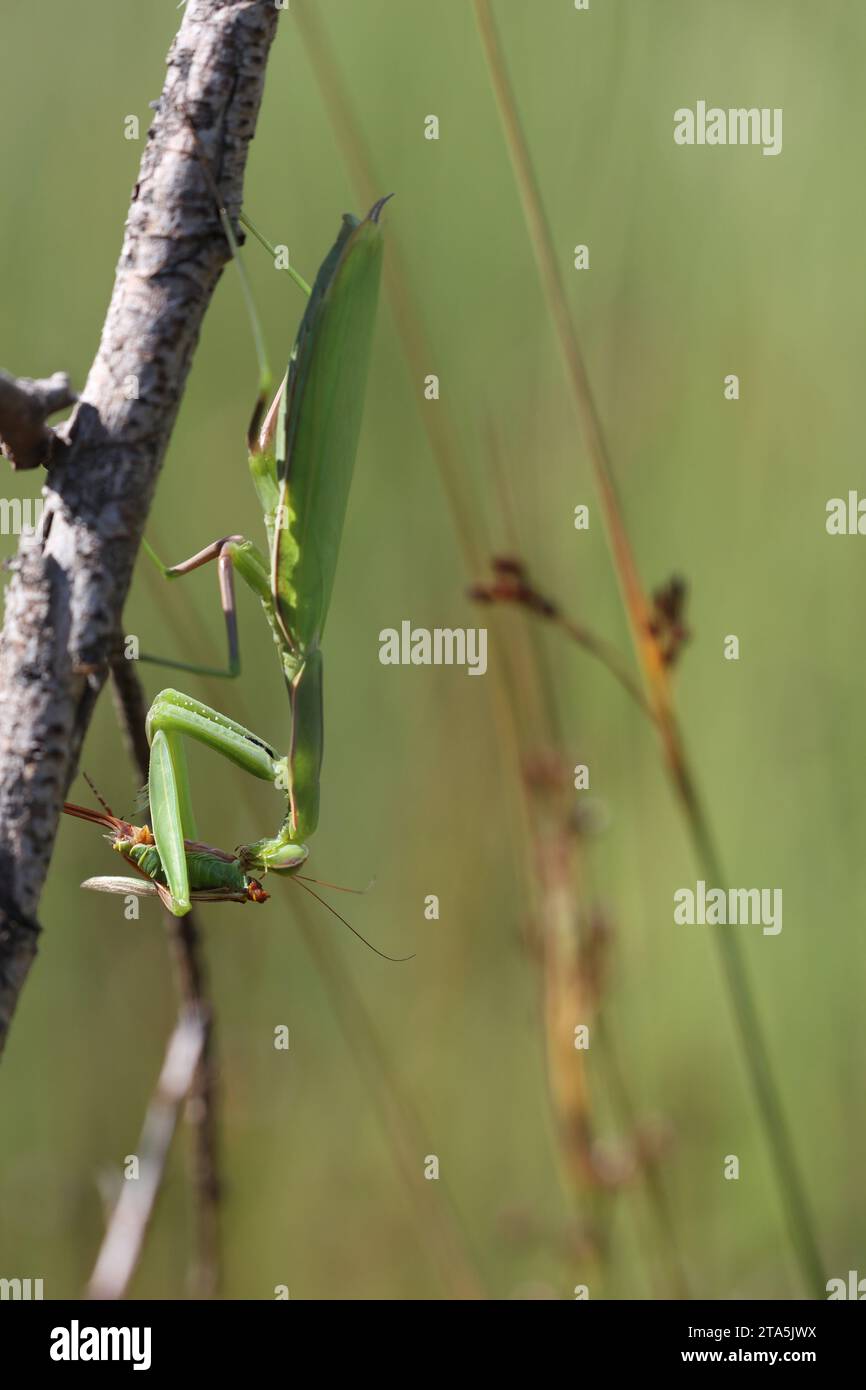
[{"x": 319, "y": 426}]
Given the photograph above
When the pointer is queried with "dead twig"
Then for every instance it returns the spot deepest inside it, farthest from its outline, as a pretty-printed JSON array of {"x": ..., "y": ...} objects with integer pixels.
[
  {"x": 127, "y": 1227},
  {"x": 25, "y": 405},
  {"x": 70, "y": 579}
]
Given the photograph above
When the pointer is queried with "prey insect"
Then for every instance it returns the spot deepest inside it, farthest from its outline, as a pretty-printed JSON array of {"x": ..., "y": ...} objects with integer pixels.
[
  {"x": 213, "y": 875},
  {"x": 301, "y": 459}
]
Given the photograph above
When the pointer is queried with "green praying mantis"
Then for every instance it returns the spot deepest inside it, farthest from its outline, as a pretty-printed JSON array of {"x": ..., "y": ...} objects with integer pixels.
[{"x": 301, "y": 458}]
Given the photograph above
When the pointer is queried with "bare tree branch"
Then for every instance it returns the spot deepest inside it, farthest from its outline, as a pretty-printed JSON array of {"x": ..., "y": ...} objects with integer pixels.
[
  {"x": 25, "y": 438},
  {"x": 64, "y": 603},
  {"x": 127, "y": 1227}
]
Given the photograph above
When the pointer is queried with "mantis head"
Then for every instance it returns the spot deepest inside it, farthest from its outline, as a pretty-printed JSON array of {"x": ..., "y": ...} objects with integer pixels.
[{"x": 269, "y": 856}]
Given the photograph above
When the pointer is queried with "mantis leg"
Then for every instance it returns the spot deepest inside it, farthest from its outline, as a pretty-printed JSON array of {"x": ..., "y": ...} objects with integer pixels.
[
  {"x": 305, "y": 754},
  {"x": 230, "y": 553},
  {"x": 172, "y": 717},
  {"x": 171, "y": 814}
]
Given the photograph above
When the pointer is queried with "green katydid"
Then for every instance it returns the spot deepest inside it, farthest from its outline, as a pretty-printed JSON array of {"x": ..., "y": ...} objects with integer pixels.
[
  {"x": 301, "y": 461},
  {"x": 214, "y": 876}
]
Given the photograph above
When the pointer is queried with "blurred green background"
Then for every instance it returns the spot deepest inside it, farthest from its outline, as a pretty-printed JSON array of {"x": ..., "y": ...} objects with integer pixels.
[{"x": 703, "y": 262}]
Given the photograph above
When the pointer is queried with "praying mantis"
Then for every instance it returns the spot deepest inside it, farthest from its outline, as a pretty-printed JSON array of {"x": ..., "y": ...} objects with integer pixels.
[{"x": 301, "y": 453}]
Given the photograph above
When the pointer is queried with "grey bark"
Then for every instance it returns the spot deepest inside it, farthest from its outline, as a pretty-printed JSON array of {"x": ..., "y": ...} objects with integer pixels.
[
  {"x": 66, "y": 596},
  {"x": 25, "y": 438}
]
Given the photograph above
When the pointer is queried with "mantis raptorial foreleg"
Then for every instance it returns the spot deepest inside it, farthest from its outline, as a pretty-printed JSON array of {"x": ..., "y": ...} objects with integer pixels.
[{"x": 174, "y": 716}]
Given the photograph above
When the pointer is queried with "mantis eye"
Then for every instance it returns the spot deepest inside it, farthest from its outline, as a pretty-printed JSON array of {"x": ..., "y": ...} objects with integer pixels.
[{"x": 287, "y": 858}]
